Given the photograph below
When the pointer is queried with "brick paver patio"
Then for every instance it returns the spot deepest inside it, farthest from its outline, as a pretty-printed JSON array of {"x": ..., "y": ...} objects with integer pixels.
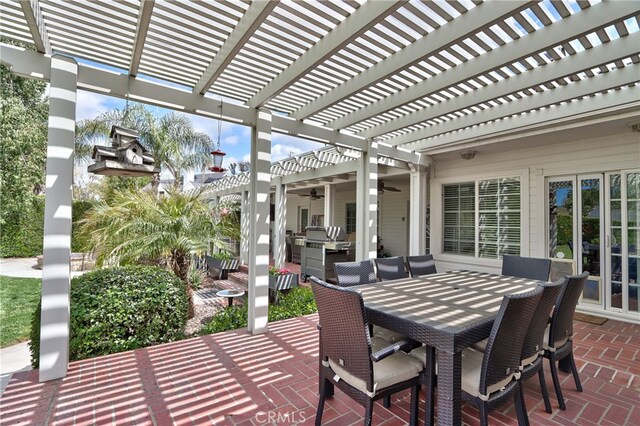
[{"x": 235, "y": 378}]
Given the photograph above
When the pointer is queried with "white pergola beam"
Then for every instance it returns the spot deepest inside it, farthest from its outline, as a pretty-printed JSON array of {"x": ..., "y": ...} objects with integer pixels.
[
  {"x": 280, "y": 225},
  {"x": 525, "y": 116},
  {"x": 329, "y": 204},
  {"x": 260, "y": 183},
  {"x": 250, "y": 21},
  {"x": 244, "y": 226},
  {"x": 321, "y": 172},
  {"x": 35, "y": 21},
  {"x": 144, "y": 18},
  {"x": 361, "y": 20},
  {"x": 469, "y": 23},
  {"x": 583, "y": 61},
  {"x": 56, "y": 249},
  {"x": 33, "y": 65},
  {"x": 367, "y": 204},
  {"x": 597, "y": 16},
  {"x": 417, "y": 212}
]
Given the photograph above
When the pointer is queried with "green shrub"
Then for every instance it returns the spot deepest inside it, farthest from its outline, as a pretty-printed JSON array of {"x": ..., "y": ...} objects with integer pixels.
[
  {"x": 23, "y": 236},
  {"x": 293, "y": 303},
  {"x": 118, "y": 309}
]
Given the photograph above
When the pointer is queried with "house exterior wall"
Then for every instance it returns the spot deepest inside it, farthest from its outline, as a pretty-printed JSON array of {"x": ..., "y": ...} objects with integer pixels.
[
  {"x": 393, "y": 213},
  {"x": 534, "y": 162}
]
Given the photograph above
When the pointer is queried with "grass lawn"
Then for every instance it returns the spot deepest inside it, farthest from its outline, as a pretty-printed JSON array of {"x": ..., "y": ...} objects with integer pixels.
[{"x": 18, "y": 299}]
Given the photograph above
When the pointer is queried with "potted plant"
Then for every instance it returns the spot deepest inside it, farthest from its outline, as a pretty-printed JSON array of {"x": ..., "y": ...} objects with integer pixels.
[
  {"x": 224, "y": 262},
  {"x": 281, "y": 279}
]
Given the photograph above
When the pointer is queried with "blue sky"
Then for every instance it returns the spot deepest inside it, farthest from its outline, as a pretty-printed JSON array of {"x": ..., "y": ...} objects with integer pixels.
[{"x": 235, "y": 139}]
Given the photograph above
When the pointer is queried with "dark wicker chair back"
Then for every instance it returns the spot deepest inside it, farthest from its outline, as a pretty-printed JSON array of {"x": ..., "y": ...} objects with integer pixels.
[
  {"x": 421, "y": 265},
  {"x": 344, "y": 330},
  {"x": 502, "y": 354},
  {"x": 354, "y": 273},
  {"x": 535, "y": 335},
  {"x": 390, "y": 268},
  {"x": 526, "y": 267},
  {"x": 562, "y": 319}
]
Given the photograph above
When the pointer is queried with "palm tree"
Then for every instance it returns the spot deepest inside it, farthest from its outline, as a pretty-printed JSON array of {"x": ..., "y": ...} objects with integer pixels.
[
  {"x": 175, "y": 144},
  {"x": 137, "y": 226}
]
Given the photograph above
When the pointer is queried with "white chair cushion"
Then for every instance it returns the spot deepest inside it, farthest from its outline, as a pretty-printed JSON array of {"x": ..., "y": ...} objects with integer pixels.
[
  {"x": 471, "y": 369},
  {"x": 388, "y": 335},
  {"x": 420, "y": 354},
  {"x": 481, "y": 346},
  {"x": 557, "y": 343},
  {"x": 391, "y": 370}
]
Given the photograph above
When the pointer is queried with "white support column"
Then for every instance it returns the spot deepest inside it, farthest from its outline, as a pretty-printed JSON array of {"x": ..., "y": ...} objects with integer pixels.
[
  {"x": 417, "y": 212},
  {"x": 259, "y": 188},
  {"x": 367, "y": 203},
  {"x": 329, "y": 205},
  {"x": 280, "y": 225},
  {"x": 244, "y": 228},
  {"x": 56, "y": 267}
]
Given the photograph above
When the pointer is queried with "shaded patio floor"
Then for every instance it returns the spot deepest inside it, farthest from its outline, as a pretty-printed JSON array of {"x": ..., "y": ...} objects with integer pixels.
[{"x": 234, "y": 378}]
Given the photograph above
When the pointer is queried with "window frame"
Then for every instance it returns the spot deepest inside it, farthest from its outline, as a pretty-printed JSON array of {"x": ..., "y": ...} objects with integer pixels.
[
  {"x": 437, "y": 216},
  {"x": 349, "y": 230}
]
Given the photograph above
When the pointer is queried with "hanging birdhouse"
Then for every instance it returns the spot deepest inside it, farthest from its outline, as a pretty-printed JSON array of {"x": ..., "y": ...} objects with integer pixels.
[{"x": 125, "y": 157}]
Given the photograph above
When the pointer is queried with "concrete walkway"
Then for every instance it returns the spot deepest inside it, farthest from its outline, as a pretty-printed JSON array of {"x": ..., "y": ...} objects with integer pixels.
[
  {"x": 12, "y": 360},
  {"x": 24, "y": 268},
  {"x": 17, "y": 357}
]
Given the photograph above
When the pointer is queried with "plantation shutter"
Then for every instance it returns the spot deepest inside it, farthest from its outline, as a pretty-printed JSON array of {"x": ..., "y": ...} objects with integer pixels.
[
  {"x": 498, "y": 217},
  {"x": 459, "y": 219}
]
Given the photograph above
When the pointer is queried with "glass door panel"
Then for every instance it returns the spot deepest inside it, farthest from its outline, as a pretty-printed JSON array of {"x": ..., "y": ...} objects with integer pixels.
[
  {"x": 589, "y": 250},
  {"x": 633, "y": 237},
  {"x": 561, "y": 227},
  {"x": 615, "y": 240}
]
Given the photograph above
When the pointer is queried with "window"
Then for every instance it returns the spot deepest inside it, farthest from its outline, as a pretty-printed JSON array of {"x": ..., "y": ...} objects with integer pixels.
[
  {"x": 351, "y": 218},
  {"x": 487, "y": 208}
]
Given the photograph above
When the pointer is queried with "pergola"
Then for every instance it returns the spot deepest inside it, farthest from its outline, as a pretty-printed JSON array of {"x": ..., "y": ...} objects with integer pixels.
[{"x": 386, "y": 80}]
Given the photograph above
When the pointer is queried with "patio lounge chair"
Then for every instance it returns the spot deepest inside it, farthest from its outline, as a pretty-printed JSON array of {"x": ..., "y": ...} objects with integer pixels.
[
  {"x": 421, "y": 265},
  {"x": 390, "y": 268},
  {"x": 348, "y": 360},
  {"x": 489, "y": 378},
  {"x": 558, "y": 337},
  {"x": 526, "y": 267}
]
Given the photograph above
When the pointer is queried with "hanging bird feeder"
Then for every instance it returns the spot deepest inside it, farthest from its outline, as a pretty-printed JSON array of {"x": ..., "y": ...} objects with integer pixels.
[
  {"x": 125, "y": 157},
  {"x": 218, "y": 155}
]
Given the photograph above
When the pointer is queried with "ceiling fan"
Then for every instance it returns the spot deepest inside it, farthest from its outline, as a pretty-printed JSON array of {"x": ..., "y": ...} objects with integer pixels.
[
  {"x": 313, "y": 194},
  {"x": 382, "y": 187}
]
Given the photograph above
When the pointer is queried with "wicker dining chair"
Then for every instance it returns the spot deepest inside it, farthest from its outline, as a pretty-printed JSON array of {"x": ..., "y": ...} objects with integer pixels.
[
  {"x": 391, "y": 268},
  {"x": 346, "y": 355},
  {"x": 531, "y": 358},
  {"x": 354, "y": 273},
  {"x": 526, "y": 267},
  {"x": 489, "y": 378},
  {"x": 558, "y": 337},
  {"x": 421, "y": 265}
]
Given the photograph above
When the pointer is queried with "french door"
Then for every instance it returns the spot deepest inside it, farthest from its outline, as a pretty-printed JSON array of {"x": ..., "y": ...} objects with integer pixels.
[{"x": 594, "y": 226}]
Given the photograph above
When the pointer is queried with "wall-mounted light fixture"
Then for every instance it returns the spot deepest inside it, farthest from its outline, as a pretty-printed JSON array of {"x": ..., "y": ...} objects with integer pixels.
[{"x": 468, "y": 154}]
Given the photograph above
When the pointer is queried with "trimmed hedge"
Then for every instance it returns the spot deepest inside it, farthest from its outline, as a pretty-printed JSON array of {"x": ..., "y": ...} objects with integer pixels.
[
  {"x": 293, "y": 303},
  {"x": 118, "y": 309},
  {"x": 23, "y": 236}
]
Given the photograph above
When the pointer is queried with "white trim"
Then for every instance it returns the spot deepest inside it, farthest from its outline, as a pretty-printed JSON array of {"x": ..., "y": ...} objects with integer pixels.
[{"x": 437, "y": 217}]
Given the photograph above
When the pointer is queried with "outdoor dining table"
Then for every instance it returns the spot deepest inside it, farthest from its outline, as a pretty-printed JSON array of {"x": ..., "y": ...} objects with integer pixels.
[{"x": 446, "y": 311}]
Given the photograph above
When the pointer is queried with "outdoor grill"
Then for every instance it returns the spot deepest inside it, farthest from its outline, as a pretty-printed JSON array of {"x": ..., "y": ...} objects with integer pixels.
[{"x": 323, "y": 247}]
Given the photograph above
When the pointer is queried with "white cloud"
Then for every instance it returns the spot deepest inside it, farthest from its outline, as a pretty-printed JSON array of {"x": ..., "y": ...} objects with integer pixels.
[
  {"x": 283, "y": 146},
  {"x": 90, "y": 105}
]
